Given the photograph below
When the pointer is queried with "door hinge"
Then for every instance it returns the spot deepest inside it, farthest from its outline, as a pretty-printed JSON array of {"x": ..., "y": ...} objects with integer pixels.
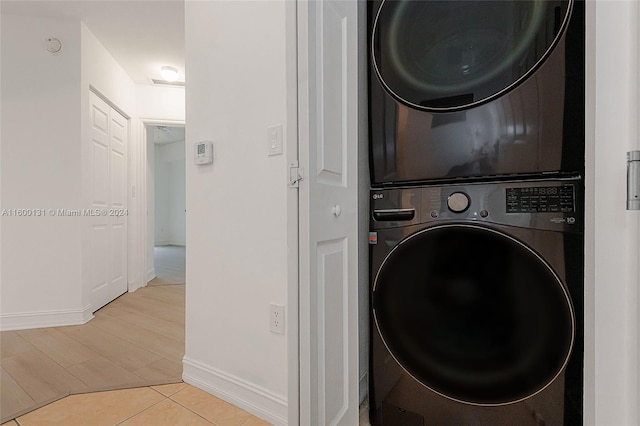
[
  {"x": 633, "y": 180},
  {"x": 295, "y": 175}
]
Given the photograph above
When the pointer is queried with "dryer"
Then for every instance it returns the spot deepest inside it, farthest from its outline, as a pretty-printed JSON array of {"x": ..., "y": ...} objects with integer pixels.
[
  {"x": 475, "y": 89},
  {"x": 476, "y": 304}
]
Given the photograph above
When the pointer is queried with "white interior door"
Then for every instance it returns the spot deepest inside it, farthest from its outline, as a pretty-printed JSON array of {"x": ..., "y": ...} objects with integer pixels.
[
  {"x": 107, "y": 216},
  {"x": 328, "y": 121},
  {"x": 612, "y": 369}
]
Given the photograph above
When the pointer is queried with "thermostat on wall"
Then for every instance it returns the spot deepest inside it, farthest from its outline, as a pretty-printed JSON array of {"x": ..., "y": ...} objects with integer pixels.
[{"x": 204, "y": 153}]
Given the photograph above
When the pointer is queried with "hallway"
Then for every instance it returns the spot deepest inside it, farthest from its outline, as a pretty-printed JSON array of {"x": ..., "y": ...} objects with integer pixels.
[
  {"x": 136, "y": 340},
  {"x": 169, "y": 264}
]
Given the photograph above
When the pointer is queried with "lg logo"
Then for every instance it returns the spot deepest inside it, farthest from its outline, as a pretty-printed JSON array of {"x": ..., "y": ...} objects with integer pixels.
[
  {"x": 378, "y": 196},
  {"x": 571, "y": 220}
]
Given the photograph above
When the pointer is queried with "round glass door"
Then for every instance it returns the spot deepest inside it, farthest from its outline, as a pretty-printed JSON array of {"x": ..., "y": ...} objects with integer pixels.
[
  {"x": 473, "y": 314},
  {"x": 447, "y": 55}
]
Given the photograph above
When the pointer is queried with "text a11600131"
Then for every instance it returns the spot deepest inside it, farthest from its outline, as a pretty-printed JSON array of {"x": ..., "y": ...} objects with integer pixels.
[{"x": 57, "y": 212}]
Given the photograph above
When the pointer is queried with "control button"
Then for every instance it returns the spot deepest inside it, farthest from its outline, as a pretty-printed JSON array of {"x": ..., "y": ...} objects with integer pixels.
[
  {"x": 458, "y": 202},
  {"x": 484, "y": 213},
  {"x": 434, "y": 214}
]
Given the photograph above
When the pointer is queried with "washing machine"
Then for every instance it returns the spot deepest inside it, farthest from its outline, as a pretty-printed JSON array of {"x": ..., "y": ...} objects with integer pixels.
[
  {"x": 477, "y": 304},
  {"x": 470, "y": 89}
]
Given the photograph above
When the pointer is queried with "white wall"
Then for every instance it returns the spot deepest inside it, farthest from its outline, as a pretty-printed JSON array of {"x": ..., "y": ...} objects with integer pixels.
[
  {"x": 1, "y": 204},
  {"x": 45, "y": 102},
  {"x": 160, "y": 103},
  {"x": 170, "y": 216},
  {"x": 611, "y": 287},
  {"x": 101, "y": 72},
  {"x": 237, "y": 254},
  {"x": 161, "y": 198},
  {"x": 41, "y": 268},
  {"x": 150, "y": 188}
]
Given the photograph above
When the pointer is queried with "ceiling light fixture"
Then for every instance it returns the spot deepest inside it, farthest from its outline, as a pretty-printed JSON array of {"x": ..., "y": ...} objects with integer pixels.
[{"x": 169, "y": 73}]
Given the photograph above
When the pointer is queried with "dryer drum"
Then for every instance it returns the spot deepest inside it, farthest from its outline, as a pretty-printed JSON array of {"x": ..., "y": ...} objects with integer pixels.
[
  {"x": 451, "y": 55},
  {"x": 473, "y": 314}
]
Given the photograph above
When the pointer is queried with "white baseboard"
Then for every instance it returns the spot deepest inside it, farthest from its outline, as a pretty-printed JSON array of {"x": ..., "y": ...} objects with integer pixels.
[
  {"x": 248, "y": 396},
  {"x": 43, "y": 319},
  {"x": 151, "y": 274},
  {"x": 133, "y": 286}
]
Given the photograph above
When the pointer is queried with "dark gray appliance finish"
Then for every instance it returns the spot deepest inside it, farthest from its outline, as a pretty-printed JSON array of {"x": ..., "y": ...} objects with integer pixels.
[
  {"x": 470, "y": 89},
  {"x": 476, "y": 304}
]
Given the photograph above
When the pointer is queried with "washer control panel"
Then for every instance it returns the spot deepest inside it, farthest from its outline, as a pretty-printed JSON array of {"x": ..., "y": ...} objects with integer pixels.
[
  {"x": 541, "y": 199},
  {"x": 539, "y": 204}
]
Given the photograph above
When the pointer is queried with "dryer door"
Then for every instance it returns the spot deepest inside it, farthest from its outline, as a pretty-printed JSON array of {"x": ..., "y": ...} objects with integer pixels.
[
  {"x": 473, "y": 314},
  {"x": 449, "y": 55}
]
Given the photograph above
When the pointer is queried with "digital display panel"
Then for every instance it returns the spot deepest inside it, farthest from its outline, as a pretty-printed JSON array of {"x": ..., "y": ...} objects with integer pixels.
[{"x": 558, "y": 199}]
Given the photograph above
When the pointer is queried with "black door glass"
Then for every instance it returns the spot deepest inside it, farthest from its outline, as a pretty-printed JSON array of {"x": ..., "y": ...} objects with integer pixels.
[
  {"x": 446, "y": 55},
  {"x": 473, "y": 315}
]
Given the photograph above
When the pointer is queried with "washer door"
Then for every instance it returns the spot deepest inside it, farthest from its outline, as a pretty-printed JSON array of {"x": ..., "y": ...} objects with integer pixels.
[
  {"x": 473, "y": 314},
  {"x": 449, "y": 55}
]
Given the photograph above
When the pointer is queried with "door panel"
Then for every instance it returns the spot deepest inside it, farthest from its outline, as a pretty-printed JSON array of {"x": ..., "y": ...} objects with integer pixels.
[
  {"x": 331, "y": 96},
  {"x": 108, "y": 232},
  {"x": 118, "y": 263},
  {"x": 99, "y": 252},
  {"x": 100, "y": 159},
  {"x": 332, "y": 334},
  {"x": 118, "y": 179},
  {"x": 100, "y": 117},
  {"x": 118, "y": 132},
  {"x": 328, "y": 214},
  {"x": 118, "y": 160}
]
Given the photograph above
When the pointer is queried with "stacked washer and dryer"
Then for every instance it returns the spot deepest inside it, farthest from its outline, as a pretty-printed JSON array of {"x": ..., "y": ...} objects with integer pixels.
[{"x": 477, "y": 162}]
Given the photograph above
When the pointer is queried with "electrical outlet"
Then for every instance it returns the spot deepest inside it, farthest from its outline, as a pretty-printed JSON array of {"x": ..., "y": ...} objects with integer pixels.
[{"x": 276, "y": 318}]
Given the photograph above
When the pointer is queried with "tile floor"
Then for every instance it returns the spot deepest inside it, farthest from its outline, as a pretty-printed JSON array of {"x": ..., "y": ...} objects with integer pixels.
[{"x": 165, "y": 405}]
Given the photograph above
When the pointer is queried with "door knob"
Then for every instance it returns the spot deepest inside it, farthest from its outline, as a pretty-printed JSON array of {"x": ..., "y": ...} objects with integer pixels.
[{"x": 336, "y": 210}]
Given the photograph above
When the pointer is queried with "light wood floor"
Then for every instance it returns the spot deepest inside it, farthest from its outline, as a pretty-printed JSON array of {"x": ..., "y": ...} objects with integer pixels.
[{"x": 136, "y": 340}]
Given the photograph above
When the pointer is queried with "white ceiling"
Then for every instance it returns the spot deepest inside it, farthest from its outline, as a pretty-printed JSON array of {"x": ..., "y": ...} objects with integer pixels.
[
  {"x": 141, "y": 35},
  {"x": 164, "y": 134}
]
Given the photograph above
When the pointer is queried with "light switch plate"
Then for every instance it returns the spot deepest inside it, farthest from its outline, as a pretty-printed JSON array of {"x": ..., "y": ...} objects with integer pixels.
[{"x": 274, "y": 140}]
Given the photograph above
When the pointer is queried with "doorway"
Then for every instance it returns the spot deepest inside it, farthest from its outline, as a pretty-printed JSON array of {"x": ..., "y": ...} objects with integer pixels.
[{"x": 166, "y": 201}]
